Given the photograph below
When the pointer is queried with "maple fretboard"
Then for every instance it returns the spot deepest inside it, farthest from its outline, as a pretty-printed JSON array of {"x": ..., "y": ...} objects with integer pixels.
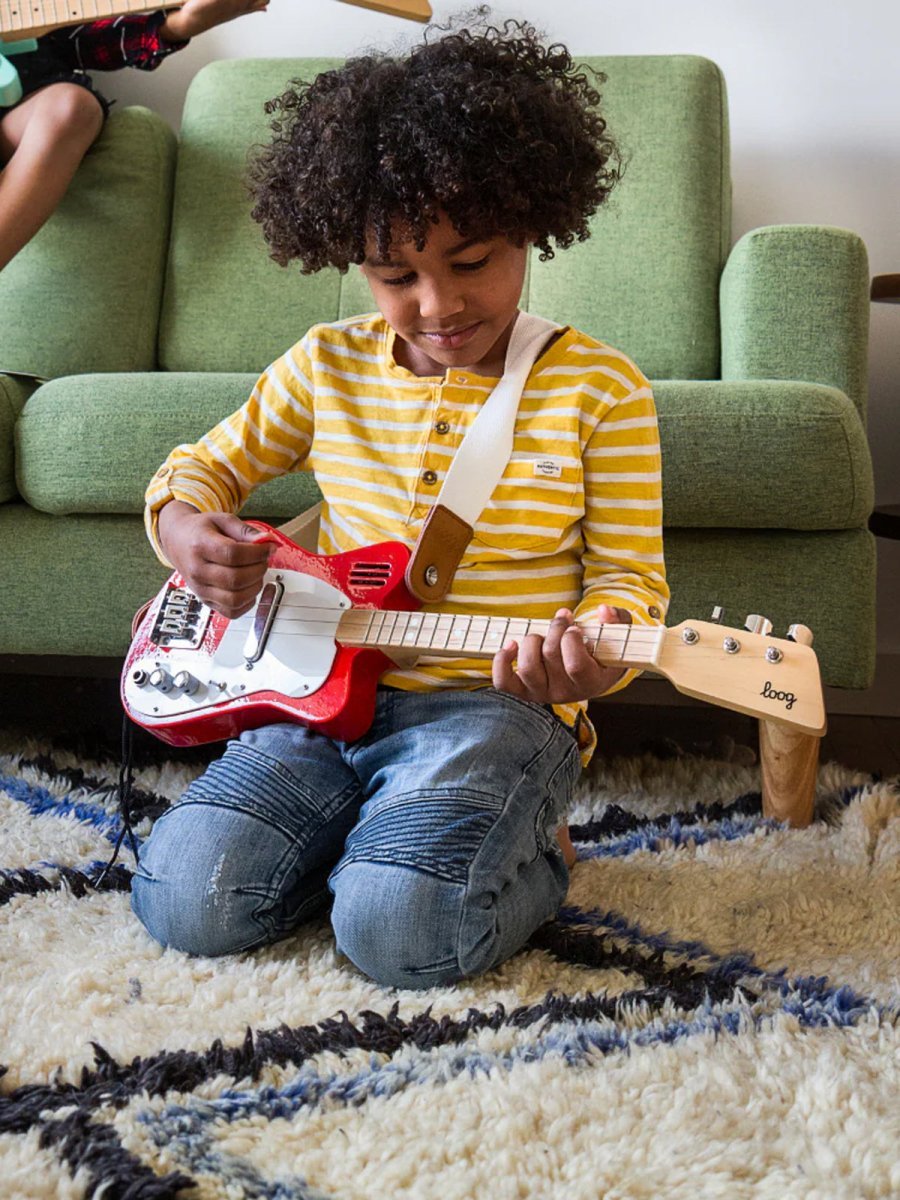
[{"x": 21, "y": 19}]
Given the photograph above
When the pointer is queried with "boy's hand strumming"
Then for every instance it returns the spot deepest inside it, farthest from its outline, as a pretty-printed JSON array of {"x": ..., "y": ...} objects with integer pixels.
[
  {"x": 196, "y": 16},
  {"x": 222, "y": 558},
  {"x": 558, "y": 668}
]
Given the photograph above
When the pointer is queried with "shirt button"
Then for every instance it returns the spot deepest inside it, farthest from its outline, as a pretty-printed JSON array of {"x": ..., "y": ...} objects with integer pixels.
[
  {"x": 442, "y": 427},
  {"x": 429, "y": 477},
  {"x": 654, "y": 612}
]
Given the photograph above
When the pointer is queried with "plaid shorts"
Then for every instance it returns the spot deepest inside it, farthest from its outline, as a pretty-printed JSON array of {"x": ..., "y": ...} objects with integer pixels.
[{"x": 39, "y": 68}]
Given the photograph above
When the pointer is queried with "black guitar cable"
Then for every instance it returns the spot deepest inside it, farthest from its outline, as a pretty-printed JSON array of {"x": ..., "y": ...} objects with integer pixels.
[{"x": 126, "y": 784}]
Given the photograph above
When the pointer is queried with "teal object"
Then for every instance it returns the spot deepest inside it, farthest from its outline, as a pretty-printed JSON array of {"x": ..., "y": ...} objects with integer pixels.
[{"x": 10, "y": 87}]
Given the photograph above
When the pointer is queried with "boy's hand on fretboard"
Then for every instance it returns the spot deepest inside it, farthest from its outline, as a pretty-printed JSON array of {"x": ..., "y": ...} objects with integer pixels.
[
  {"x": 558, "y": 668},
  {"x": 197, "y": 16}
]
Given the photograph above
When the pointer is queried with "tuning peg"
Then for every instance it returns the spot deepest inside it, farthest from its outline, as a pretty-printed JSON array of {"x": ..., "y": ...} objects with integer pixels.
[
  {"x": 757, "y": 624},
  {"x": 800, "y": 633},
  {"x": 717, "y": 613}
]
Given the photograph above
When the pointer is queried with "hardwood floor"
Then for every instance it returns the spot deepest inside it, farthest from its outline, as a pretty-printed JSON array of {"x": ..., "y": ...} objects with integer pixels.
[{"x": 88, "y": 711}]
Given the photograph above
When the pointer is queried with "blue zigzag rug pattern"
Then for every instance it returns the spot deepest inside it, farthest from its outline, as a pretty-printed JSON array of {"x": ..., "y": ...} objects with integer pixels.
[{"x": 714, "y": 1012}]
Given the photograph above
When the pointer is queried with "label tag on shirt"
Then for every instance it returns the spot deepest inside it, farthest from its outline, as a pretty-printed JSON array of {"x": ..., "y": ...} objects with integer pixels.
[{"x": 550, "y": 468}]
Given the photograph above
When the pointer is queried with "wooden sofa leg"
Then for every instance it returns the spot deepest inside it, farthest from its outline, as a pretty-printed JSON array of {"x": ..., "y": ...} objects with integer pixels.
[{"x": 789, "y": 760}]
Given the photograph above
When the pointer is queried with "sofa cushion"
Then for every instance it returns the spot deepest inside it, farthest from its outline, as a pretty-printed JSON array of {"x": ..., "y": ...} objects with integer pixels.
[
  {"x": 90, "y": 443},
  {"x": 647, "y": 280},
  {"x": 13, "y": 394},
  {"x": 227, "y": 306},
  {"x": 84, "y": 294},
  {"x": 762, "y": 454}
]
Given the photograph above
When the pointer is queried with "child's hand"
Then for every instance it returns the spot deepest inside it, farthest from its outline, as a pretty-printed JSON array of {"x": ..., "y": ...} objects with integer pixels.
[
  {"x": 222, "y": 558},
  {"x": 559, "y": 667},
  {"x": 196, "y": 16}
]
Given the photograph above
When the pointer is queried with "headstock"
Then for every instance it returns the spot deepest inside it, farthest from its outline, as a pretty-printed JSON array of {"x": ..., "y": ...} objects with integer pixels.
[{"x": 775, "y": 679}]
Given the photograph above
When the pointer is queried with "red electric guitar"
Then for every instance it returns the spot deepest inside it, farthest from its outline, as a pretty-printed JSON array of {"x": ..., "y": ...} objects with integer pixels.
[{"x": 319, "y": 638}]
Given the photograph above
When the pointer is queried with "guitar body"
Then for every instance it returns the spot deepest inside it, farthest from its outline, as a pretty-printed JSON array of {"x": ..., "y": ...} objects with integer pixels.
[{"x": 192, "y": 676}]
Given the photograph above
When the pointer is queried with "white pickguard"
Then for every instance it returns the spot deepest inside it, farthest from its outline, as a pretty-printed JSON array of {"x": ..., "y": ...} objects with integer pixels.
[{"x": 297, "y": 659}]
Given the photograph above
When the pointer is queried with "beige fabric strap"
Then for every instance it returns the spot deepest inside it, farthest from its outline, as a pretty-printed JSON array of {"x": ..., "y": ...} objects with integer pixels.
[
  {"x": 471, "y": 478},
  {"x": 476, "y": 467}
]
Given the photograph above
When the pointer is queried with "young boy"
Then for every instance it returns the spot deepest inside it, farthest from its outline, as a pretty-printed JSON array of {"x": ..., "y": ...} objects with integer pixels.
[
  {"x": 45, "y": 136},
  {"x": 433, "y": 832}
]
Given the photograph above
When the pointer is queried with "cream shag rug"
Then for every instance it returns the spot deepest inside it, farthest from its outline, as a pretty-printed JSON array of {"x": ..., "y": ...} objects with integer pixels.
[{"x": 712, "y": 1014}]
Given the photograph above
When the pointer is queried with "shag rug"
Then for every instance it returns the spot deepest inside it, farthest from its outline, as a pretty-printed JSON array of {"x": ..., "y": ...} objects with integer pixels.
[{"x": 713, "y": 1013}]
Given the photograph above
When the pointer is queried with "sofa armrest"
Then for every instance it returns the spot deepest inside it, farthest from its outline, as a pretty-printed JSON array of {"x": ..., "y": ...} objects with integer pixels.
[
  {"x": 794, "y": 303},
  {"x": 14, "y": 391}
]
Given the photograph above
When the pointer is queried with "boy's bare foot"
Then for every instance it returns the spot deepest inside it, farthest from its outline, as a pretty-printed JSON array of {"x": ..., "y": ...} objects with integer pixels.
[{"x": 565, "y": 844}]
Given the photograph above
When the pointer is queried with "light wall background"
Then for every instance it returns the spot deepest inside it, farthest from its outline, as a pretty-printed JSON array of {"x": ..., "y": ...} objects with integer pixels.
[{"x": 814, "y": 99}]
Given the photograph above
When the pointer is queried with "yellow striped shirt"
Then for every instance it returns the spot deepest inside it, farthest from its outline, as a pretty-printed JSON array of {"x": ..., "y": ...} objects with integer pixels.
[{"x": 575, "y": 521}]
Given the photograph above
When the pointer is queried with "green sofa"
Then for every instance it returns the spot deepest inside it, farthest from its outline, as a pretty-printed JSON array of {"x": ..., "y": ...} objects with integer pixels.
[{"x": 146, "y": 308}]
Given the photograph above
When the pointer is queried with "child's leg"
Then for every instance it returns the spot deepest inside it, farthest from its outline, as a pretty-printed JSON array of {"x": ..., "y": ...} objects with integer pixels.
[
  {"x": 42, "y": 141},
  {"x": 455, "y": 860},
  {"x": 244, "y": 857}
]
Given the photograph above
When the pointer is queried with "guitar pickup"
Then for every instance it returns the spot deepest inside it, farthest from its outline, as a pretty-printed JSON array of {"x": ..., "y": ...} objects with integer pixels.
[{"x": 269, "y": 600}]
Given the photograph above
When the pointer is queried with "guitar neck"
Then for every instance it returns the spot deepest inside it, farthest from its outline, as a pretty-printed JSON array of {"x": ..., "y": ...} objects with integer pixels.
[
  {"x": 462, "y": 635},
  {"x": 21, "y": 19}
]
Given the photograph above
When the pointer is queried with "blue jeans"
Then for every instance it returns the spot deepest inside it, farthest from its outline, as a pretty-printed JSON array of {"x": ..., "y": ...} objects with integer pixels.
[{"x": 434, "y": 834}]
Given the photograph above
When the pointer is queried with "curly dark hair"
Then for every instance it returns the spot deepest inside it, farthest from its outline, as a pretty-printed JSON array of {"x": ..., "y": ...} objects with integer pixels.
[{"x": 489, "y": 125}]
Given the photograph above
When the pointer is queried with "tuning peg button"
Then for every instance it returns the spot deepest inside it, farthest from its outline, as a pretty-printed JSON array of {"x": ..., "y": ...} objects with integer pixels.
[
  {"x": 717, "y": 613},
  {"x": 757, "y": 624},
  {"x": 800, "y": 633}
]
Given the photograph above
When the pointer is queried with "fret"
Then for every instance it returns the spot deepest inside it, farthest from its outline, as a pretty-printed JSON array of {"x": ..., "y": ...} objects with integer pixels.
[
  {"x": 429, "y": 628},
  {"x": 456, "y": 639},
  {"x": 496, "y": 638},
  {"x": 384, "y": 628},
  {"x": 442, "y": 632},
  {"x": 628, "y": 629},
  {"x": 375, "y": 626},
  {"x": 518, "y": 627},
  {"x": 398, "y": 629},
  {"x": 478, "y": 627},
  {"x": 413, "y": 631}
]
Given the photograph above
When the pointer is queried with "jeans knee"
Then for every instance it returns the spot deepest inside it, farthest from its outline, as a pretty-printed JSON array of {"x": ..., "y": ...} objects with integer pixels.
[
  {"x": 187, "y": 889},
  {"x": 187, "y": 911},
  {"x": 398, "y": 925}
]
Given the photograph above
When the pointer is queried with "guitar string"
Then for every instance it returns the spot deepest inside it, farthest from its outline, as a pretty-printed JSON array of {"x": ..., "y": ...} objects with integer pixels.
[{"x": 633, "y": 639}]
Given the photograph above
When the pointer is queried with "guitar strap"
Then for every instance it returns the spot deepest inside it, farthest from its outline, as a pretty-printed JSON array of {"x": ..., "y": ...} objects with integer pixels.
[
  {"x": 476, "y": 468},
  {"x": 472, "y": 476}
]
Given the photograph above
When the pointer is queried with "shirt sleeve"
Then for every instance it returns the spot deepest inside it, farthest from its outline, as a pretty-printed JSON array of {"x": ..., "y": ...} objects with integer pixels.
[
  {"x": 118, "y": 42},
  {"x": 268, "y": 436},
  {"x": 623, "y": 558}
]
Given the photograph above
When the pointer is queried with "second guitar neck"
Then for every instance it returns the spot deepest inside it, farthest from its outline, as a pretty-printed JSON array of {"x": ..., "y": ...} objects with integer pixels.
[{"x": 21, "y": 19}]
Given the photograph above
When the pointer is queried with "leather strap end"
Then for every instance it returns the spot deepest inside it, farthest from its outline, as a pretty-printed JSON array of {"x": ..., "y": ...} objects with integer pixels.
[{"x": 437, "y": 554}]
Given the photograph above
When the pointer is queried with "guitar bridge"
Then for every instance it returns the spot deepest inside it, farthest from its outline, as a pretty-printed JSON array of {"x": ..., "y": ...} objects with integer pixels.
[{"x": 181, "y": 620}]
